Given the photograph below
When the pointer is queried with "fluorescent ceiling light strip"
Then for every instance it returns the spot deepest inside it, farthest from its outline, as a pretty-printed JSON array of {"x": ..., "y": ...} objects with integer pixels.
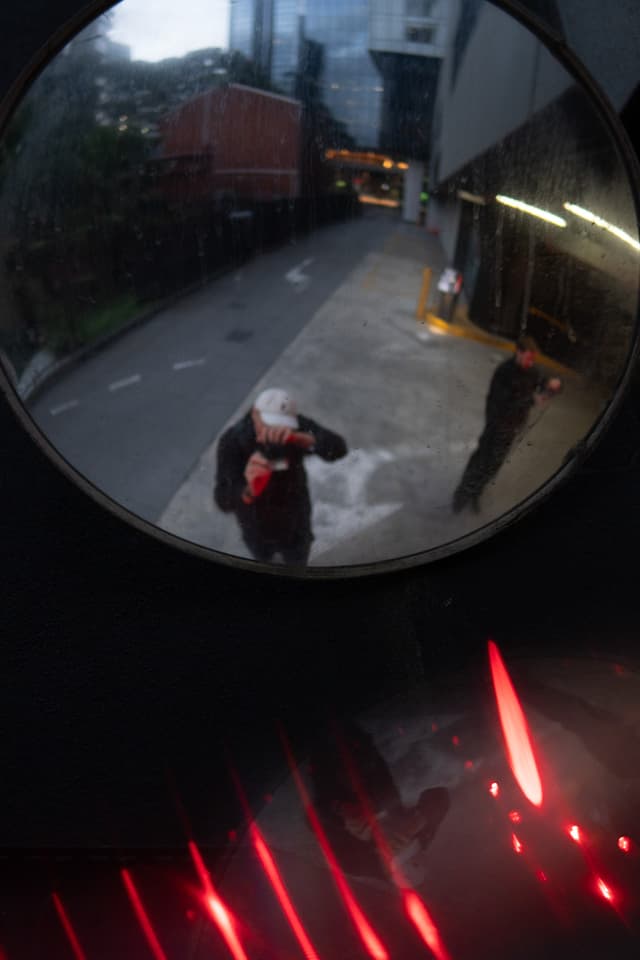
[
  {"x": 534, "y": 211},
  {"x": 600, "y": 222}
]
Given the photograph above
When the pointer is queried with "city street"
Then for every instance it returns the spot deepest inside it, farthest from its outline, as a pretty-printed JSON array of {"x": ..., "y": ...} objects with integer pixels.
[
  {"x": 135, "y": 417},
  {"x": 410, "y": 402},
  {"x": 333, "y": 321}
]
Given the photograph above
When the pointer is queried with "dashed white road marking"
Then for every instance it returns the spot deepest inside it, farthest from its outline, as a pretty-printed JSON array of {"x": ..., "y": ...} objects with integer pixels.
[
  {"x": 186, "y": 364},
  {"x": 127, "y": 382},
  {"x": 63, "y": 407}
]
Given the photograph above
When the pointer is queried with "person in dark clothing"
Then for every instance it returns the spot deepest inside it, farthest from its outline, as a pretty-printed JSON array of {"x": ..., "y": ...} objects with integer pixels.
[
  {"x": 515, "y": 387},
  {"x": 262, "y": 479},
  {"x": 353, "y": 787}
]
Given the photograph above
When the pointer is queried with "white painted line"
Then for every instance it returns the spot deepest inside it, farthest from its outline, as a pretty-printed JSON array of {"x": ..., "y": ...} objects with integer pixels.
[
  {"x": 127, "y": 382},
  {"x": 186, "y": 364},
  {"x": 63, "y": 407},
  {"x": 296, "y": 275}
]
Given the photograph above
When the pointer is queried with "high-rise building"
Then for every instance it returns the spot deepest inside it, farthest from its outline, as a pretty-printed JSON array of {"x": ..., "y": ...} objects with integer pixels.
[
  {"x": 268, "y": 32},
  {"x": 373, "y": 64},
  {"x": 407, "y": 39},
  {"x": 273, "y": 34}
]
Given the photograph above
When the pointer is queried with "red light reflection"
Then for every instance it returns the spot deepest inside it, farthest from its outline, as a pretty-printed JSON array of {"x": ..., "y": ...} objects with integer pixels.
[
  {"x": 74, "y": 943},
  {"x": 516, "y": 843},
  {"x": 514, "y": 816},
  {"x": 494, "y": 788},
  {"x": 143, "y": 918},
  {"x": 515, "y": 730},
  {"x": 624, "y": 844},
  {"x": 575, "y": 833},
  {"x": 281, "y": 893},
  {"x": 415, "y": 908},
  {"x": 419, "y": 916},
  {"x": 216, "y": 908},
  {"x": 605, "y": 892},
  {"x": 369, "y": 938}
]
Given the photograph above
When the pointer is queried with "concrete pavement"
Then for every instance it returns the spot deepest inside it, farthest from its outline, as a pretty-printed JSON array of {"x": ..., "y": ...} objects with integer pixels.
[{"x": 409, "y": 401}]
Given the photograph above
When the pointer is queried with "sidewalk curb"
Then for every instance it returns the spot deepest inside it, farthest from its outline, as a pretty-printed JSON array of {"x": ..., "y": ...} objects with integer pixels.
[
  {"x": 470, "y": 331},
  {"x": 52, "y": 373}
]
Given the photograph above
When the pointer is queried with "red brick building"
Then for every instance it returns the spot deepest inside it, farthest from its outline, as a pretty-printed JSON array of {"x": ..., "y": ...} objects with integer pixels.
[{"x": 233, "y": 142}]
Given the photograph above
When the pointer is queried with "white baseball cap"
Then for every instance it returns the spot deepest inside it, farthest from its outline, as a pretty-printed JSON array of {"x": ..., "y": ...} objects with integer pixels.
[{"x": 277, "y": 408}]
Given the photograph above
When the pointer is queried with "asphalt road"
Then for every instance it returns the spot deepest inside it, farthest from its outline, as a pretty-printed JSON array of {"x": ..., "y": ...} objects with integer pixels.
[{"x": 135, "y": 417}]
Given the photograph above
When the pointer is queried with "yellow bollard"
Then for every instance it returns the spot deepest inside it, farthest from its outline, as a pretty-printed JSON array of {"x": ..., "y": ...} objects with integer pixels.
[{"x": 421, "y": 309}]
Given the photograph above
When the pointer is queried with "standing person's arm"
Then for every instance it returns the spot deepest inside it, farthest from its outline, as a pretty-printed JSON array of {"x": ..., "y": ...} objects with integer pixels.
[
  {"x": 324, "y": 443},
  {"x": 230, "y": 478},
  {"x": 547, "y": 389}
]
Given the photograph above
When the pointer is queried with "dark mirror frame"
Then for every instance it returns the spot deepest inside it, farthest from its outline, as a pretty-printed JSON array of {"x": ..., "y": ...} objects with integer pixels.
[{"x": 558, "y": 48}]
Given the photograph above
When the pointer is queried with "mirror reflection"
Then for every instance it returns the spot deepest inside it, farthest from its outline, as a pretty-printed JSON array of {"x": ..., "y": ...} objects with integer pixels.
[{"x": 314, "y": 284}]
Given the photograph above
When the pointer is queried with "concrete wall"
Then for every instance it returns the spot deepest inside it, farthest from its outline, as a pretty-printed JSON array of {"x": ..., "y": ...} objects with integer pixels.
[
  {"x": 606, "y": 38},
  {"x": 388, "y": 22},
  {"x": 504, "y": 75},
  {"x": 444, "y": 216}
]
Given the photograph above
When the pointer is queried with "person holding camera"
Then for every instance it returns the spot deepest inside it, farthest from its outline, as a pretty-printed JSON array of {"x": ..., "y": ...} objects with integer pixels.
[{"x": 262, "y": 479}]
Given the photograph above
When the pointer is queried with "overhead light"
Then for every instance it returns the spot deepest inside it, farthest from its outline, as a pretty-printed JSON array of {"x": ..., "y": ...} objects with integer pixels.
[
  {"x": 534, "y": 211},
  {"x": 472, "y": 197},
  {"x": 378, "y": 201},
  {"x": 604, "y": 224},
  {"x": 387, "y": 164},
  {"x": 402, "y": 165}
]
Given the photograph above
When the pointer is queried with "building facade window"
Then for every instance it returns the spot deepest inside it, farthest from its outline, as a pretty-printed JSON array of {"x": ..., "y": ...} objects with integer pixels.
[
  {"x": 419, "y": 9},
  {"x": 423, "y": 35}
]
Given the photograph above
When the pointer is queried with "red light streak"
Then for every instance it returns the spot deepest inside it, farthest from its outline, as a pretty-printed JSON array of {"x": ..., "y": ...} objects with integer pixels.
[
  {"x": 624, "y": 844},
  {"x": 419, "y": 916},
  {"x": 605, "y": 892},
  {"x": 369, "y": 938},
  {"x": 74, "y": 943},
  {"x": 281, "y": 893},
  {"x": 494, "y": 789},
  {"x": 514, "y": 816},
  {"x": 217, "y": 910},
  {"x": 415, "y": 908},
  {"x": 516, "y": 844},
  {"x": 541, "y": 875},
  {"x": 575, "y": 833},
  {"x": 143, "y": 917},
  {"x": 515, "y": 730}
]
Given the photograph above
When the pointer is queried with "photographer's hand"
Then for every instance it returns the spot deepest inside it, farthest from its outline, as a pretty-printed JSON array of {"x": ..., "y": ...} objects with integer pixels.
[
  {"x": 306, "y": 441},
  {"x": 277, "y": 436},
  {"x": 257, "y": 474}
]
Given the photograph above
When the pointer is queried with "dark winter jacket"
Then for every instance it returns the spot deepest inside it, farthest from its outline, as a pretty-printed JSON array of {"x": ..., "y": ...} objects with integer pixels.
[
  {"x": 282, "y": 513},
  {"x": 511, "y": 395}
]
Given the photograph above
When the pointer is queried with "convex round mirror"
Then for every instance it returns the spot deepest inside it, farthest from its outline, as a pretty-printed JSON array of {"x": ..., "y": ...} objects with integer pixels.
[{"x": 315, "y": 286}]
